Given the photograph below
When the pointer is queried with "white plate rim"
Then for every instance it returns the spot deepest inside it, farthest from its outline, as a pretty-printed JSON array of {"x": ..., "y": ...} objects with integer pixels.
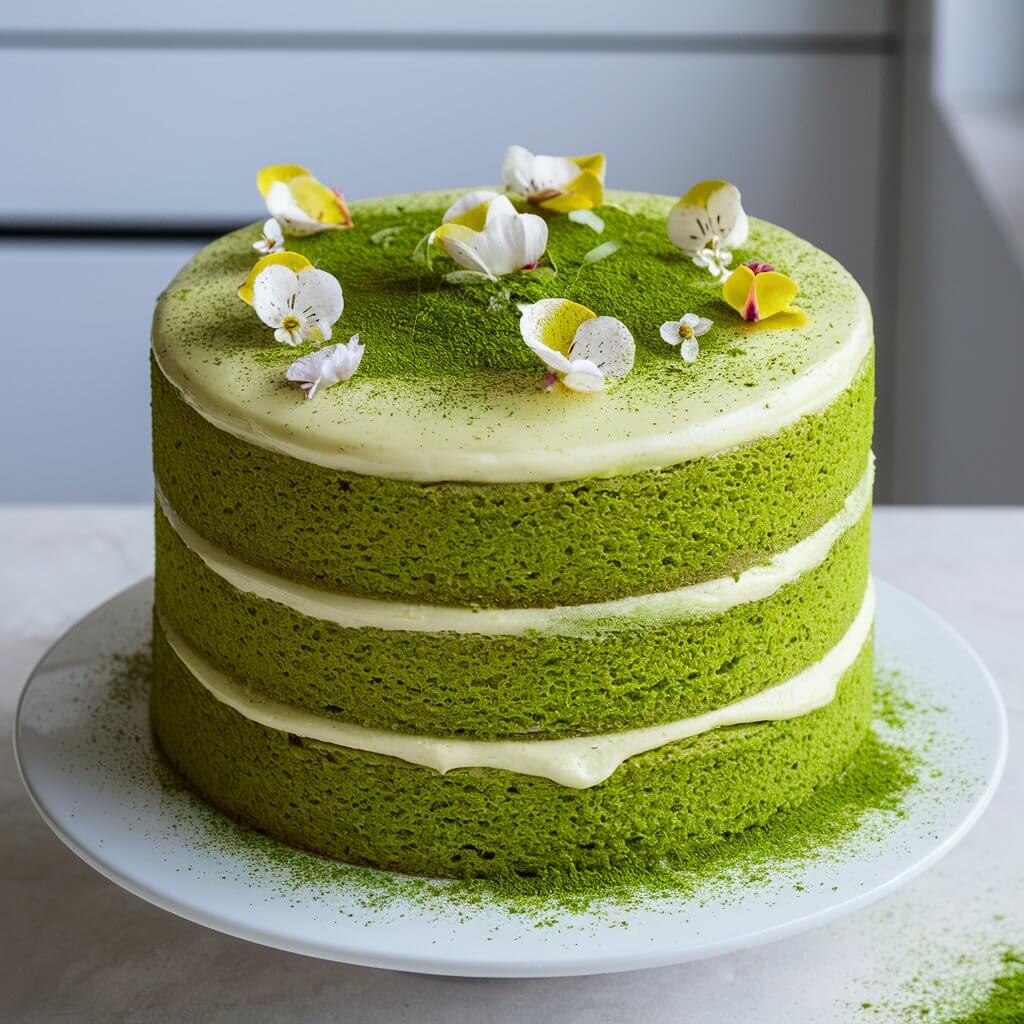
[{"x": 436, "y": 964}]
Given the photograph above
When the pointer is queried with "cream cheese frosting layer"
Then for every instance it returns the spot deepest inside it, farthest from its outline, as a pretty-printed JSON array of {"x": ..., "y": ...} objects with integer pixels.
[
  {"x": 712, "y": 597},
  {"x": 752, "y": 380},
  {"x": 578, "y": 763}
]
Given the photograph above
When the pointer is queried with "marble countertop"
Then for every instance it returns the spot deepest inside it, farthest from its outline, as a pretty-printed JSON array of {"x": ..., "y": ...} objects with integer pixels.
[{"x": 73, "y": 946}]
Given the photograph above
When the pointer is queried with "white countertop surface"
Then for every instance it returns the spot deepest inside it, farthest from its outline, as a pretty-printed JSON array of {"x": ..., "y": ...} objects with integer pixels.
[{"x": 75, "y": 947}]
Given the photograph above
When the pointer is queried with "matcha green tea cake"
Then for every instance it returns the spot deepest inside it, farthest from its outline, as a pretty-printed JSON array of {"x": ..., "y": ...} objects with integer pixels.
[{"x": 509, "y": 532}]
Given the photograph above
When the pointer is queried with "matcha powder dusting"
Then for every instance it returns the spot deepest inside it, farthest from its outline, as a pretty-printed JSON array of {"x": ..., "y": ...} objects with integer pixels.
[{"x": 1004, "y": 1003}]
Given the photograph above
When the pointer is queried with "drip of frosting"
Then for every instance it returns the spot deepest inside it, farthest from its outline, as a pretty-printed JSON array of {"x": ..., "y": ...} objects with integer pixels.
[
  {"x": 578, "y": 762},
  {"x": 712, "y": 597}
]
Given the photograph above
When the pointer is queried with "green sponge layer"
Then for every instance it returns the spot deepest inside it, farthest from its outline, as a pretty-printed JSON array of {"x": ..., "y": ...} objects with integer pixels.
[
  {"x": 469, "y": 684},
  {"x": 511, "y": 545},
  {"x": 370, "y": 809}
]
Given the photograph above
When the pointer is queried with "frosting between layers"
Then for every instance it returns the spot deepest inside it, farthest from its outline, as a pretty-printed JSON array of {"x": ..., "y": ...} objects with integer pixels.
[
  {"x": 711, "y": 597},
  {"x": 577, "y": 763}
]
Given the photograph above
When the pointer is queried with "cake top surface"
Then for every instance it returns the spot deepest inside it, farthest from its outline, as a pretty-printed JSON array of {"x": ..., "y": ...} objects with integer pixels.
[{"x": 447, "y": 389}]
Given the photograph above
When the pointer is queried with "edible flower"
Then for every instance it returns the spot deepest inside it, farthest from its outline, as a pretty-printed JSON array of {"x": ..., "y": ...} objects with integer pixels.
[
  {"x": 757, "y": 291},
  {"x": 579, "y": 348},
  {"x": 684, "y": 332},
  {"x": 299, "y": 203},
  {"x": 300, "y": 306},
  {"x": 707, "y": 223},
  {"x": 470, "y": 209},
  {"x": 293, "y": 260},
  {"x": 555, "y": 183},
  {"x": 272, "y": 240},
  {"x": 506, "y": 241},
  {"x": 326, "y": 367}
]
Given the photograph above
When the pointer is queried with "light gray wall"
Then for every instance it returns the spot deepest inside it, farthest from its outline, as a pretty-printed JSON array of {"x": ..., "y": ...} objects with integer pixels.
[
  {"x": 959, "y": 363},
  {"x": 139, "y": 128}
]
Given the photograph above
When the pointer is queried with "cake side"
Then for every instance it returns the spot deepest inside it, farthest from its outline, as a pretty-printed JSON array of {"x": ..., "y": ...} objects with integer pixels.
[
  {"x": 372, "y": 809},
  {"x": 571, "y": 674},
  {"x": 589, "y": 629}
]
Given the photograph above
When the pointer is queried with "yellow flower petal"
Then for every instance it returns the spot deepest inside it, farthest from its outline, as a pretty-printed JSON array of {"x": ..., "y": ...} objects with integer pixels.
[
  {"x": 584, "y": 192},
  {"x": 559, "y": 327},
  {"x": 318, "y": 202},
  {"x": 737, "y": 288},
  {"x": 474, "y": 218},
  {"x": 701, "y": 192},
  {"x": 291, "y": 260},
  {"x": 775, "y": 292},
  {"x": 593, "y": 162},
  {"x": 278, "y": 172},
  {"x": 759, "y": 296}
]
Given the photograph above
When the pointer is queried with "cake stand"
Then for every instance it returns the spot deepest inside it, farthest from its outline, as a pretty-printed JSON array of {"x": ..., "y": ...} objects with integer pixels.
[{"x": 89, "y": 762}]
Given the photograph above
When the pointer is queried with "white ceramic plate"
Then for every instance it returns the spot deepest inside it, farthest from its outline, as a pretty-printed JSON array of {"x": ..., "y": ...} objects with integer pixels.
[{"x": 89, "y": 763}]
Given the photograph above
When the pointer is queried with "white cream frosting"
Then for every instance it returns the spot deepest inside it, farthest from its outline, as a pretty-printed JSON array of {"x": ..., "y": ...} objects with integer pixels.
[
  {"x": 579, "y": 762},
  {"x": 515, "y": 432},
  {"x": 712, "y": 597}
]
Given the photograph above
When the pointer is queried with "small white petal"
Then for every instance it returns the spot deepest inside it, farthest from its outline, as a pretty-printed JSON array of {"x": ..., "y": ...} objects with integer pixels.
[
  {"x": 584, "y": 376},
  {"x": 689, "y": 350},
  {"x": 527, "y": 174},
  {"x": 728, "y": 219},
  {"x": 308, "y": 368},
  {"x": 702, "y": 326},
  {"x": 689, "y": 320},
  {"x": 272, "y": 293},
  {"x": 319, "y": 296},
  {"x": 587, "y": 217},
  {"x": 500, "y": 207},
  {"x": 463, "y": 249},
  {"x": 551, "y": 358},
  {"x": 670, "y": 332},
  {"x": 607, "y": 343}
]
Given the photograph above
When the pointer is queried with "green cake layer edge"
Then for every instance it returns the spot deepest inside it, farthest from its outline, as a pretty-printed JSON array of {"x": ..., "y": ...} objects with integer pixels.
[{"x": 370, "y": 809}]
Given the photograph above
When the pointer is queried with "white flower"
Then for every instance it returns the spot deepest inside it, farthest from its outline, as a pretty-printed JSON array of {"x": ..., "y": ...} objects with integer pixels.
[
  {"x": 299, "y": 306},
  {"x": 299, "y": 203},
  {"x": 508, "y": 241},
  {"x": 272, "y": 239},
  {"x": 470, "y": 209},
  {"x": 327, "y": 367},
  {"x": 579, "y": 348},
  {"x": 707, "y": 223},
  {"x": 684, "y": 333},
  {"x": 558, "y": 183}
]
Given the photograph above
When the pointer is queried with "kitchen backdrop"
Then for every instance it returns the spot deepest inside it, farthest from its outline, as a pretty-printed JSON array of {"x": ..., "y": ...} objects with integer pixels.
[{"x": 890, "y": 134}]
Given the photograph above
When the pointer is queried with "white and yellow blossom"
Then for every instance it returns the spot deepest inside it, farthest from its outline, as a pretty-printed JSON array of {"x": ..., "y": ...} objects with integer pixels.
[
  {"x": 579, "y": 348},
  {"x": 470, "y": 209},
  {"x": 292, "y": 260},
  {"x": 707, "y": 223},
  {"x": 299, "y": 203},
  {"x": 300, "y": 305},
  {"x": 684, "y": 332},
  {"x": 506, "y": 241},
  {"x": 326, "y": 367},
  {"x": 272, "y": 239},
  {"x": 556, "y": 183}
]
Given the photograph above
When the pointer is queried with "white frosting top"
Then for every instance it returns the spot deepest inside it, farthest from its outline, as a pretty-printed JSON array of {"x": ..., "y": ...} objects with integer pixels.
[
  {"x": 579, "y": 762},
  {"x": 751, "y": 380},
  {"x": 711, "y": 597}
]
